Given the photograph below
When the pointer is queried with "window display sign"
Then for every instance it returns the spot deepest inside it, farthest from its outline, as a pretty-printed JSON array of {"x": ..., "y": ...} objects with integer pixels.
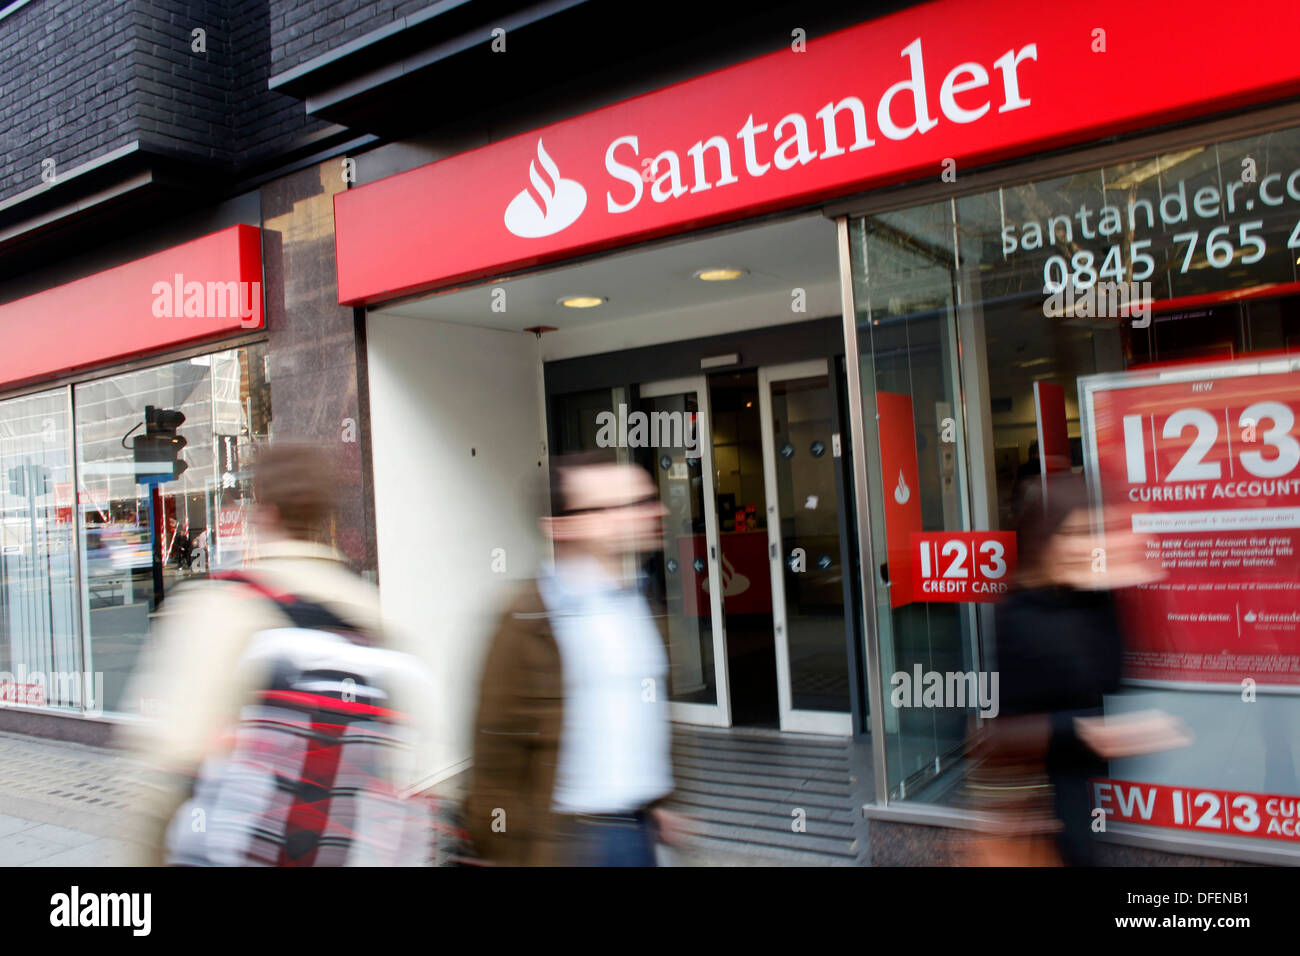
[
  {"x": 231, "y": 536},
  {"x": 1261, "y": 815},
  {"x": 902, "y": 481},
  {"x": 956, "y": 566},
  {"x": 1125, "y": 242},
  {"x": 1206, "y": 461}
]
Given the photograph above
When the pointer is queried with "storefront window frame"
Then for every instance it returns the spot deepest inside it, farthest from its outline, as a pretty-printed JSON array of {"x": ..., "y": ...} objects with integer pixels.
[
  {"x": 92, "y": 710},
  {"x": 1015, "y": 172}
]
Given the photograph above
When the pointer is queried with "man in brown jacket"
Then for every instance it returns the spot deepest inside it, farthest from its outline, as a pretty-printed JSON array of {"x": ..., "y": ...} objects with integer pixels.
[{"x": 572, "y": 760}]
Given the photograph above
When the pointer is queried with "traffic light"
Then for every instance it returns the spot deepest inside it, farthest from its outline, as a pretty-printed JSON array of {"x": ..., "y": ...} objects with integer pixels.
[
  {"x": 39, "y": 476},
  {"x": 29, "y": 479},
  {"x": 157, "y": 451}
]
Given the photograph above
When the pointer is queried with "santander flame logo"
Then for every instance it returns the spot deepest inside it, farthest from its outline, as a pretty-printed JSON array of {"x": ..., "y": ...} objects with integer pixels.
[
  {"x": 901, "y": 491},
  {"x": 733, "y": 582},
  {"x": 562, "y": 201}
]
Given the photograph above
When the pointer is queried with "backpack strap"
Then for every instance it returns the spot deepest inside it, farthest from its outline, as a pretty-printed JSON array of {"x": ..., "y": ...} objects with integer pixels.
[{"x": 305, "y": 614}]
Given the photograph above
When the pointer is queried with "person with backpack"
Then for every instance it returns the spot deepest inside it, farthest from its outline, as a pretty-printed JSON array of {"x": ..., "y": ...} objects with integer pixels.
[
  {"x": 572, "y": 744},
  {"x": 290, "y": 724}
]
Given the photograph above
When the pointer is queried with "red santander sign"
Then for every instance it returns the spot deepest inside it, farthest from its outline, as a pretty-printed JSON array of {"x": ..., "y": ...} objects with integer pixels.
[{"x": 878, "y": 103}]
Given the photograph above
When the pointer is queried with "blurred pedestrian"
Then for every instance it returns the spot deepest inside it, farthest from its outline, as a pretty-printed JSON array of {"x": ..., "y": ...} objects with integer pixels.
[
  {"x": 284, "y": 664},
  {"x": 572, "y": 746},
  {"x": 1059, "y": 651}
]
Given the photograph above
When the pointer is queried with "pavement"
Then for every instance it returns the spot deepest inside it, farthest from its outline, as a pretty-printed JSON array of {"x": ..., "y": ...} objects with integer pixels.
[{"x": 66, "y": 804}]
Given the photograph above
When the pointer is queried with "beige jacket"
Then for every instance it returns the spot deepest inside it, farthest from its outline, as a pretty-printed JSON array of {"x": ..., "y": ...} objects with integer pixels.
[{"x": 190, "y": 688}]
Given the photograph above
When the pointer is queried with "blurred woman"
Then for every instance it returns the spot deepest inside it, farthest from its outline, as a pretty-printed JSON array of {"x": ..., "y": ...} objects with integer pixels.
[{"x": 1059, "y": 651}]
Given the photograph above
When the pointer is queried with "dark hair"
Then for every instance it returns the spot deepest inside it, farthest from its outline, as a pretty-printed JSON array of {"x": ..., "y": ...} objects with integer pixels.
[
  {"x": 1035, "y": 524},
  {"x": 297, "y": 480}
]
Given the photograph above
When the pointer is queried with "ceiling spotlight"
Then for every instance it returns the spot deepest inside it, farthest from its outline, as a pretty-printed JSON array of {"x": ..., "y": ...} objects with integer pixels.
[
  {"x": 719, "y": 275},
  {"x": 582, "y": 301}
]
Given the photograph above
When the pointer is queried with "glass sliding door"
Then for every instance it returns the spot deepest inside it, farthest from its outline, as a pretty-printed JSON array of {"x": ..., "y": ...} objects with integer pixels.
[
  {"x": 685, "y": 575},
  {"x": 799, "y": 451}
]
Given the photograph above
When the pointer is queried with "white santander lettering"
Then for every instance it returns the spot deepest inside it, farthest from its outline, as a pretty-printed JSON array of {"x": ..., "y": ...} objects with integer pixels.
[
  {"x": 791, "y": 143},
  {"x": 696, "y": 152},
  {"x": 1007, "y": 63},
  {"x": 627, "y": 174}
]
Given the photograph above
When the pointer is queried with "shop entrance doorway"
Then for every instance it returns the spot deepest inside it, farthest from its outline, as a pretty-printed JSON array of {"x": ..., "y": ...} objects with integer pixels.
[{"x": 750, "y": 572}]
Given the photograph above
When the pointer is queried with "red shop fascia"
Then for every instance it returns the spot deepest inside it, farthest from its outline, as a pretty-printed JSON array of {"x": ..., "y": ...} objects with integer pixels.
[
  {"x": 203, "y": 290},
  {"x": 944, "y": 86}
]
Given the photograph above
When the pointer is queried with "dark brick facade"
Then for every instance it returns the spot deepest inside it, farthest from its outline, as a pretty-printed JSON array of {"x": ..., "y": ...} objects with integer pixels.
[
  {"x": 67, "y": 87},
  {"x": 81, "y": 78},
  {"x": 303, "y": 30}
]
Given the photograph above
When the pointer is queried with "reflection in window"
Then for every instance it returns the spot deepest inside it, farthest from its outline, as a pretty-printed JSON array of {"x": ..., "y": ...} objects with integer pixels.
[
  {"x": 40, "y": 653},
  {"x": 142, "y": 538}
]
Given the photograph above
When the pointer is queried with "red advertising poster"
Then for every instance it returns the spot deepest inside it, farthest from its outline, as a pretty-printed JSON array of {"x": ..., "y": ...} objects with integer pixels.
[
  {"x": 1264, "y": 816},
  {"x": 29, "y": 695},
  {"x": 1206, "y": 461},
  {"x": 901, "y": 495},
  {"x": 63, "y": 502},
  {"x": 230, "y": 524},
  {"x": 1053, "y": 437},
  {"x": 955, "y": 566},
  {"x": 232, "y": 534}
]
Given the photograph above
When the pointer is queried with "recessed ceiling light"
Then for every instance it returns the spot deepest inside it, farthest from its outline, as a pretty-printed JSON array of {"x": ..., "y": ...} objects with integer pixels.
[
  {"x": 582, "y": 301},
  {"x": 719, "y": 275}
]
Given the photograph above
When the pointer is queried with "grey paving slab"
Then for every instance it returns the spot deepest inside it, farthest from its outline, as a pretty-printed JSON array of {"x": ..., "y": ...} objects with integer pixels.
[
  {"x": 67, "y": 836},
  {"x": 19, "y": 848},
  {"x": 10, "y": 823},
  {"x": 98, "y": 852}
]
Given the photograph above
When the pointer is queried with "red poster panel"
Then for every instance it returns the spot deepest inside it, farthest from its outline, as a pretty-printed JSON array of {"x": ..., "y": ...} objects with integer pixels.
[
  {"x": 1264, "y": 816},
  {"x": 1053, "y": 436},
  {"x": 1207, "y": 461},
  {"x": 957, "y": 566},
  {"x": 746, "y": 576},
  {"x": 902, "y": 497}
]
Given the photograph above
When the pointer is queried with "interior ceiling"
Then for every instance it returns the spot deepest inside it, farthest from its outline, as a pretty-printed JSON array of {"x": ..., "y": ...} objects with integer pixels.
[
  {"x": 648, "y": 281},
  {"x": 659, "y": 279}
]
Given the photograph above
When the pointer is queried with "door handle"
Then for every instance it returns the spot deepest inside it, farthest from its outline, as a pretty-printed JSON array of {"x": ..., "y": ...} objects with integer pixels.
[{"x": 713, "y": 552}]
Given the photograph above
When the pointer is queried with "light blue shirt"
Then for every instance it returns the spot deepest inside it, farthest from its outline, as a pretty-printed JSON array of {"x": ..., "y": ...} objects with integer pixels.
[{"x": 615, "y": 743}]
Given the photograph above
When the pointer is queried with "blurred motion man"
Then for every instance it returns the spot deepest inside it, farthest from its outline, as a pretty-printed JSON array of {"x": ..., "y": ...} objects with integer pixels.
[
  {"x": 572, "y": 762},
  {"x": 200, "y": 677}
]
